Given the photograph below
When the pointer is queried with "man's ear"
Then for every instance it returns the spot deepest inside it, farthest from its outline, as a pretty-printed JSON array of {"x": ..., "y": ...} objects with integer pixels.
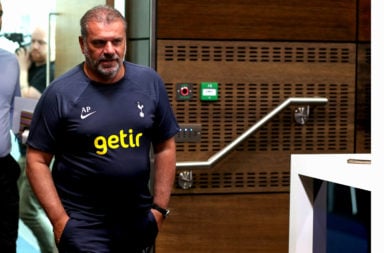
[{"x": 81, "y": 43}]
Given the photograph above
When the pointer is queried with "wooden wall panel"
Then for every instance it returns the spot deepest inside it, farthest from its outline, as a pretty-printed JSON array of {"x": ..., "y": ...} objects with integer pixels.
[
  {"x": 256, "y": 223},
  {"x": 363, "y": 99},
  {"x": 254, "y": 78},
  {"x": 260, "y": 53},
  {"x": 308, "y": 20},
  {"x": 364, "y": 21}
]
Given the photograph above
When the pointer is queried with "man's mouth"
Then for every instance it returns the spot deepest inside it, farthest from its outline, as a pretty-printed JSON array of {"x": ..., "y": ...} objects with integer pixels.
[{"x": 108, "y": 63}]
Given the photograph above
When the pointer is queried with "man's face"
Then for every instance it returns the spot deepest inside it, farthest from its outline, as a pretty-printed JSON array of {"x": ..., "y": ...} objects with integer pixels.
[
  {"x": 104, "y": 51},
  {"x": 39, "y": 46}
]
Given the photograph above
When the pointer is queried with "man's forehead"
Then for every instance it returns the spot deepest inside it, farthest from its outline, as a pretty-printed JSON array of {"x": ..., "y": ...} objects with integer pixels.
[
  {"x": 99, "y": 29},
  {"x": 39, "y": 33},
  {"x": 94, "y": 24}
]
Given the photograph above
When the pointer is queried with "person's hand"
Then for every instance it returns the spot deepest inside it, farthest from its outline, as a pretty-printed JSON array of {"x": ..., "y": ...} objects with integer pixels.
[
  {"x": 24, "y": 58},
  {"x": 158, "y": 217},
  {"x": 58, "y": 228}
]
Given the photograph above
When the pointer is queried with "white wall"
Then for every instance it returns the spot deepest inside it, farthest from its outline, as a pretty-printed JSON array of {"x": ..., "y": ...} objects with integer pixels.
[{"x": 20, "y": 16}]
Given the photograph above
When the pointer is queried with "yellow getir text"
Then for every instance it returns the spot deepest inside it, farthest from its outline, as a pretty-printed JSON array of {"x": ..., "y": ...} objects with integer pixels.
[{"x": 123, "y": 139}]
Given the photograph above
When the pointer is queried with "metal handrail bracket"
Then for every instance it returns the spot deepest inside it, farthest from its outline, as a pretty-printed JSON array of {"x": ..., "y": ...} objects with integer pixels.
[{"x": 213, "y": 159}]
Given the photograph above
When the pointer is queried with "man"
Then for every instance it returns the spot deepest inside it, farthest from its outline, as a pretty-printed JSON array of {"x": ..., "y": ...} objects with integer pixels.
[
  {"x": 9, "y": 169},
  {"x": 33, "y": 81},
  {"x": 99, "y": 121},
  {"x": 33, "y": 64}
]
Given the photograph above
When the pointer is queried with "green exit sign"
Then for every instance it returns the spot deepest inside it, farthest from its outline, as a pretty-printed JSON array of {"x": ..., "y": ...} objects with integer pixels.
[{"x": 209, "y": 91}]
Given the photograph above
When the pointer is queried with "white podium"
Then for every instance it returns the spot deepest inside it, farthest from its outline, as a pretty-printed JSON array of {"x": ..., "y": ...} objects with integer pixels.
[{"x": 352, "y": 170}]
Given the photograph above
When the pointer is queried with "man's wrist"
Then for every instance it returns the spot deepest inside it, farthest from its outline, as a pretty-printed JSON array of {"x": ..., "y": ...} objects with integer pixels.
[{"x": 164, "y": 212}]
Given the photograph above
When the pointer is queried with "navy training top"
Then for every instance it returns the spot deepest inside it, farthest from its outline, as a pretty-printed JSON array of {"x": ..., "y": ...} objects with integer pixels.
[{"x": 101, "y": 136}]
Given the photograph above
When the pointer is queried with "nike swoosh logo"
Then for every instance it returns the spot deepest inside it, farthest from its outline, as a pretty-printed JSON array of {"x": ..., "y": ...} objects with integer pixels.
[{"x": 84, "y": 116}]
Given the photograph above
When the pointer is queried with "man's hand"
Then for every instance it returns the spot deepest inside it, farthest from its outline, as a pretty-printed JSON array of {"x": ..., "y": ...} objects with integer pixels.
[
  {"x": 24, "y": 58},
  {"x": 159, "y": 218},
  {"x": 58, "y": 228}
]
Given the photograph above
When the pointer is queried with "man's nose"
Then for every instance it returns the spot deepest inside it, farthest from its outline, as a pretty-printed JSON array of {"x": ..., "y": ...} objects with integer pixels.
[
  {"x": 37, "y": 43},
  {"x": 109, "y": 48}
]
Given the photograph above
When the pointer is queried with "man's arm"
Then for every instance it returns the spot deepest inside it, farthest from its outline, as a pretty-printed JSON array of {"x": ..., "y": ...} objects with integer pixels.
[
  {"x": 164, "y": 175},
  {"x": 24, "y": 63},
  {"x": 41, "y": 181},
  {"x": 23, "y": 56}
]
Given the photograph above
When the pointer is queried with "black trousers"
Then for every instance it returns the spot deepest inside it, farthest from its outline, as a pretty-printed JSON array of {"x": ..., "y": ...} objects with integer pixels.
[
  {"x": 9, "y": 204},
  {"x": 134, "y": 234}
]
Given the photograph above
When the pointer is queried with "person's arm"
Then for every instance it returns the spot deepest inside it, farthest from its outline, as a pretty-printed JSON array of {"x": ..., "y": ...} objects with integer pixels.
[
  {"x": 41, "y": 181},
  {"x": 164, "y": 175},
  {"x": 30, "y": 92},
  {"x": 25, "y": 62}
]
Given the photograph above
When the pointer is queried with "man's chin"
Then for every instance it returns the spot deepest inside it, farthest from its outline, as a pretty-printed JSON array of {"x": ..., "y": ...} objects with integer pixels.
[
  {"x": 37, "y": 58},
  {"x": 109, "y": 72}
]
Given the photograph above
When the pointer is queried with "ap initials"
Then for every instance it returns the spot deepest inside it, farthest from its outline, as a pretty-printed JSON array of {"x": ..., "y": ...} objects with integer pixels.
[{"x": 85, "y": 109}]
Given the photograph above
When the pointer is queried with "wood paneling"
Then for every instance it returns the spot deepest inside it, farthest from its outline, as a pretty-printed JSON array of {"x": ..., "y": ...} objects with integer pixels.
[
  {"x": 363, "y": 99},
  {"x": 256, "y": 223},
  {"x": 308, "y": 20},
  {"x": 364, "y": 25},
  {"x": 260, "y": 53},
  {"x": 254, "y": 78}
]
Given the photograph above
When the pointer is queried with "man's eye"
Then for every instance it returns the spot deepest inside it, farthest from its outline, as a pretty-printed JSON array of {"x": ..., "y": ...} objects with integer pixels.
[
  {"x": 40, "y": 42},
  {"x": 98, "y": 43},
  {"x": 117, "y": 42}
]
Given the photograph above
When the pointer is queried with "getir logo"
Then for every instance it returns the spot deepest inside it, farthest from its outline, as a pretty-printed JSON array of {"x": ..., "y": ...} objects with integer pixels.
[{"x": 115, "y": 141}]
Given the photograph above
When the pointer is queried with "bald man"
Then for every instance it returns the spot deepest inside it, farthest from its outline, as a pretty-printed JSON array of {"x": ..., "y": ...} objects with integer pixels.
[{"x": 33, "y": 64}]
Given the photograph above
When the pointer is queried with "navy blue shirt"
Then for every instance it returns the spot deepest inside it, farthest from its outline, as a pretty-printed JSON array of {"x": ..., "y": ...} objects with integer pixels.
[{"x": 101, "y": 136}]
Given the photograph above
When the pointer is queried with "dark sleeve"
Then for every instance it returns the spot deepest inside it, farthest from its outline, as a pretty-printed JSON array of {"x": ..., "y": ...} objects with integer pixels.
[
  {"x": 44, "y": 127},
  {"x": 166, "y": 122}
]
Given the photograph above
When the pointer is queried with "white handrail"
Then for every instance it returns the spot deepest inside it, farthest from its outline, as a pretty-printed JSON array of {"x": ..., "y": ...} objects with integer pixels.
[{"x": 246, "y": 134}]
